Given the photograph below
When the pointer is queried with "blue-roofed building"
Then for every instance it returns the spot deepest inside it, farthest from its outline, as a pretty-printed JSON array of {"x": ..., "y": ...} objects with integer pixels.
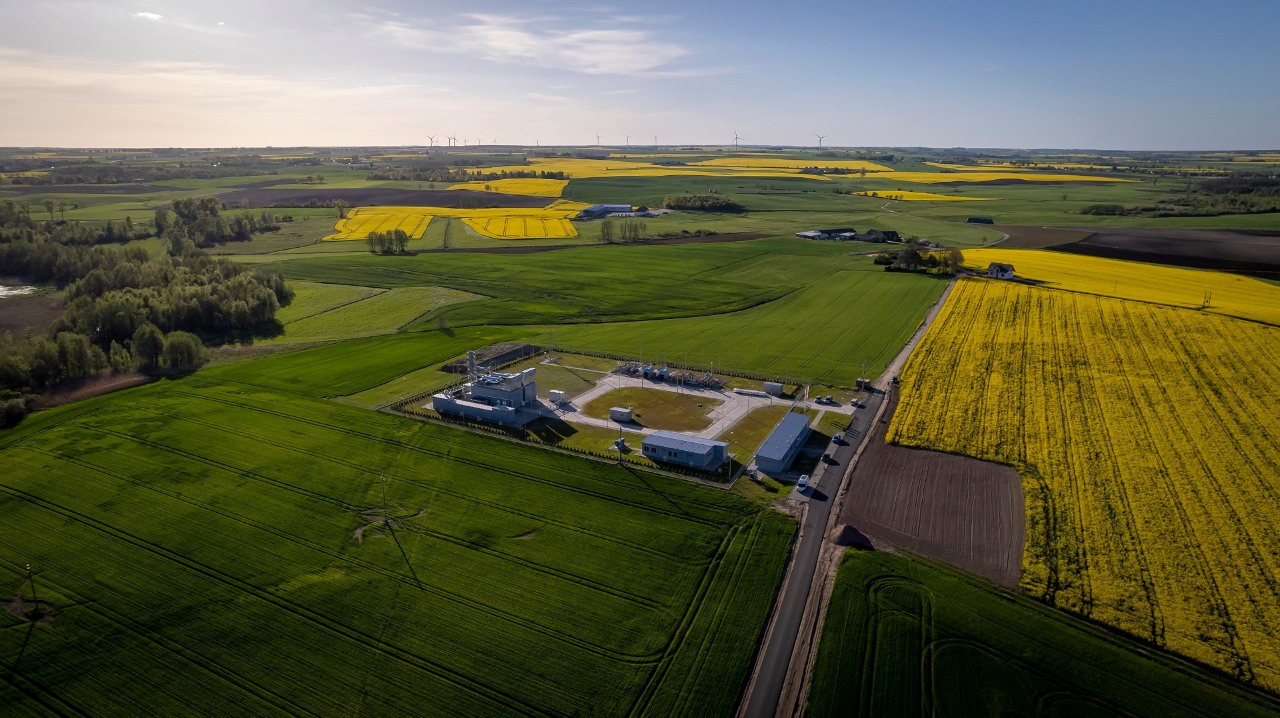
[
  {"x": 672, "y": 448},
  {"x": 780, "y": 449},
  {"x": 597, "y": 211}
]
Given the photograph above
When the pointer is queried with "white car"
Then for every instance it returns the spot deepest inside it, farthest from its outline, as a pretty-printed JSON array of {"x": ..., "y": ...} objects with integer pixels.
[
  {"x": 837, "y": 438},
  {"x": 803, "y": 483}
]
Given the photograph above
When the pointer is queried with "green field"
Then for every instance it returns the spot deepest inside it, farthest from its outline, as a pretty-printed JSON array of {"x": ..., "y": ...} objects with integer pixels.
[
  {"x": 221, "y": 549},
  {"x": 380, "y": 311},
  {"x": 905, "y": 638},
  {"x": 823, "y": 332}
]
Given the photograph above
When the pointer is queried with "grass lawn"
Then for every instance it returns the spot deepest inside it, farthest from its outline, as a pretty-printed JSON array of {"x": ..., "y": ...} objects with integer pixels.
[
  {"x": 261, "y": 553},
  {"x": 908, "y": 638},
  {"x": 746, "y": 436},
  {"x": 581, "y": 437},
  {"x": 655, "y": 408}
]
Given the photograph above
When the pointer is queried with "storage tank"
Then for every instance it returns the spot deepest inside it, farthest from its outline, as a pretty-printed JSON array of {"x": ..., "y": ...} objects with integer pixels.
[{"x": 620, "y": 414}]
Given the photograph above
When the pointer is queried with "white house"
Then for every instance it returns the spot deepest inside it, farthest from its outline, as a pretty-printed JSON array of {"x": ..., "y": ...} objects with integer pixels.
[{"x": 998, "y": 270}]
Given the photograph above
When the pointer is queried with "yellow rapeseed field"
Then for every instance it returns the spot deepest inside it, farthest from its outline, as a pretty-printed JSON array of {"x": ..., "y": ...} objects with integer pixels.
[
  {"x": 519, "y": 185},
  {"x": 578, "y": 168},
  {"x": 908, "y": 196},
  {"x": 360, "y": 221},
  {"x": 1229, "y": 294},
  {"x": 521, "y": 227},
  {"x": 1148, "y": 440},
  {"x": 757, "y": 162}
]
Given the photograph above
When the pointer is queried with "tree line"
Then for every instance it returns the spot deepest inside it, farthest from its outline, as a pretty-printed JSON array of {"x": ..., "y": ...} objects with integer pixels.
[
  {"x": 126, "y": 310},
  {"x": 701, "y": 203},
  {"x": 390, "y": 242},
  {"x": 445, "y": 174}
]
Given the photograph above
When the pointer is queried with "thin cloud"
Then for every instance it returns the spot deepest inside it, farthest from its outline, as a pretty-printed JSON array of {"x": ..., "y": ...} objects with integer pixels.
[
  {"x": 628, "y": 51},
  {"x": 153, "y": 16}
]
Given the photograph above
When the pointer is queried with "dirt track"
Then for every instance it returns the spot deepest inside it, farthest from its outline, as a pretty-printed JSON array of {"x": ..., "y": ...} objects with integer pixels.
[{"x": 959, "y": 510}]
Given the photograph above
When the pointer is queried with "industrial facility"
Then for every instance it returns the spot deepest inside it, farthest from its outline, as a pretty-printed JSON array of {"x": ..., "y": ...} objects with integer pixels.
[
  {"x": 491, "y": 396},
  {"x": 782, "y": 446},
  {"x": 672, "y": 448}
]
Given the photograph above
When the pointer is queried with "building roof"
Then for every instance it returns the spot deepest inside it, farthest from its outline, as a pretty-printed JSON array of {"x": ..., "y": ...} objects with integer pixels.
[
  {"x": 1000, "y": 267},
  {"x": 792, "y": 427},
  {"x": 681, "y": 442}
]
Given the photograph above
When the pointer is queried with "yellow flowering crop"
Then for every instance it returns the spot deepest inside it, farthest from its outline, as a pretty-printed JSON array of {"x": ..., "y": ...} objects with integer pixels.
[
  {"x": 578, "y": 168},
  {"x": 518, "y": 185},
  {"x": 981, "y": 174},
  {"x": 360, "y": 221},
  {"x": 907, "y": 196},
  {"x": 522, "y": 227},
  {"x": 1148, "y": 441},
  {"x": 1229, "y": 294},
  {"x": 755, "y": 162}
]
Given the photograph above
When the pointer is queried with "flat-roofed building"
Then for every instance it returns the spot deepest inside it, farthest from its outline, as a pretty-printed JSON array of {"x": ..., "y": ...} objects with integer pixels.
[{"x": 782, "y": 446}]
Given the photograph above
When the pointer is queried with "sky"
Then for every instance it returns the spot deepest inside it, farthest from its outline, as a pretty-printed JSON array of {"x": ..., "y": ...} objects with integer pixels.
[{"x": 1121, "y": 74}]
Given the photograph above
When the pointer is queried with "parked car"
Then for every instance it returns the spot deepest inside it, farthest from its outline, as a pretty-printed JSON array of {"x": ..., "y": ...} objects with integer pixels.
[
  {"x": 838, "y": 438},
  {"x": 803, "y": 483}
]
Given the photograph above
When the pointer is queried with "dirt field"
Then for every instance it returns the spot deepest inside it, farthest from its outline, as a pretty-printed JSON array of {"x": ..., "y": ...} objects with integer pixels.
[
  {"x": 26, "y": 189},
  {"x": 1253, "y": 253},
  {"x": 1038, "y": 237},
  {"x": 374, "y": 196},
  {"x": 29, "y": 312},
  {"x": 962, "y": 511}
]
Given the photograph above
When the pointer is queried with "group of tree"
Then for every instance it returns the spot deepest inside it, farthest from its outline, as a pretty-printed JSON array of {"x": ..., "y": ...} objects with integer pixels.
[
  {"x": 1237, "y": 193},
  {"x": 125, "y": 310},
  {"x": 631, "y": 230},
  {"x": 390, "y": 242},
  {"x": 701, "y": 203},
  {"x": 919, "y": 257},
  {"x": 203, "y": 221},
  {"x": 446, "y": 174},
  {"x": 92, "y": 172}
]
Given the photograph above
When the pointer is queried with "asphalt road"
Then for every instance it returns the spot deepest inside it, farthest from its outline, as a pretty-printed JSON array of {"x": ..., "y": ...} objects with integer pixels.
[{"x": 767, "y": 690}]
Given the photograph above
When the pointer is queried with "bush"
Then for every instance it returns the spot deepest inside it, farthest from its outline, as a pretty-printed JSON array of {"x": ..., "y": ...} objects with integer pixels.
[
  {"x": 12, "y": 411},
  {"x": 183, "y": 350}
]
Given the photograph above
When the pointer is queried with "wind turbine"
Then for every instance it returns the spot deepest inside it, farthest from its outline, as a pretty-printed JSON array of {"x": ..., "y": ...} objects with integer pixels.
[
  {"x": 628, "y": 140},
  {"x": 453, "y": 140},
  {"x": 431, "y": 139},
  {"x": 655, "y": 140},
  {"x": 597, "y": 140},
  {"x": 735, "y": 139},
  {"x": 820, "y": 139}
]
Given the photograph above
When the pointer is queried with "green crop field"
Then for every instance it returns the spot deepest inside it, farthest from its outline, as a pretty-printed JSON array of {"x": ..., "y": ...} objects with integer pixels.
[
  {"x": 822, "y": 332},
  {"x": 905, "y": 638},
  {"x": 221, "y": 549},
  {"x": 382, "y": 311}
]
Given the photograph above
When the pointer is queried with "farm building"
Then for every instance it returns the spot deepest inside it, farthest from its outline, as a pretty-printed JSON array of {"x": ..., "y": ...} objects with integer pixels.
[
  {"x": 496, "y": 397},
  {"x": 673, "y": 448},
  {"x": 596, "y": 211},
  {"x": 837, "y": 234},
  {"x": 780, "y": 449},
  {"x": 999, "y": 270}
]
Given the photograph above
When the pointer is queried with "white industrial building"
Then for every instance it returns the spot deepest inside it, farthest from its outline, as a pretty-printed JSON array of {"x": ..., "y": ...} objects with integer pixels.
[
  {"x": 672, "y": 448},
  {"x": 494, "y": 397}
]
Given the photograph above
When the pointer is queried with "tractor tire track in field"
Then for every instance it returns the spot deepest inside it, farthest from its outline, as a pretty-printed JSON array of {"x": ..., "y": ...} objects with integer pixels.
[
  {"x": 477, "y": 463},
  {"x": 459, "y": 599},
  {"x": 231, "y": 680},
  {"x": 658, "y": 674},
  {"x": 343, "y": 632},
  {"x": 362, "y": 468}
]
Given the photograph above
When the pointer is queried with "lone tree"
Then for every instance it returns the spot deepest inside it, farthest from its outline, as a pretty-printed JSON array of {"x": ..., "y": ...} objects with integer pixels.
[
  {"x": 341, "y": 205},
  {"x": 148, "y": 345}
]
